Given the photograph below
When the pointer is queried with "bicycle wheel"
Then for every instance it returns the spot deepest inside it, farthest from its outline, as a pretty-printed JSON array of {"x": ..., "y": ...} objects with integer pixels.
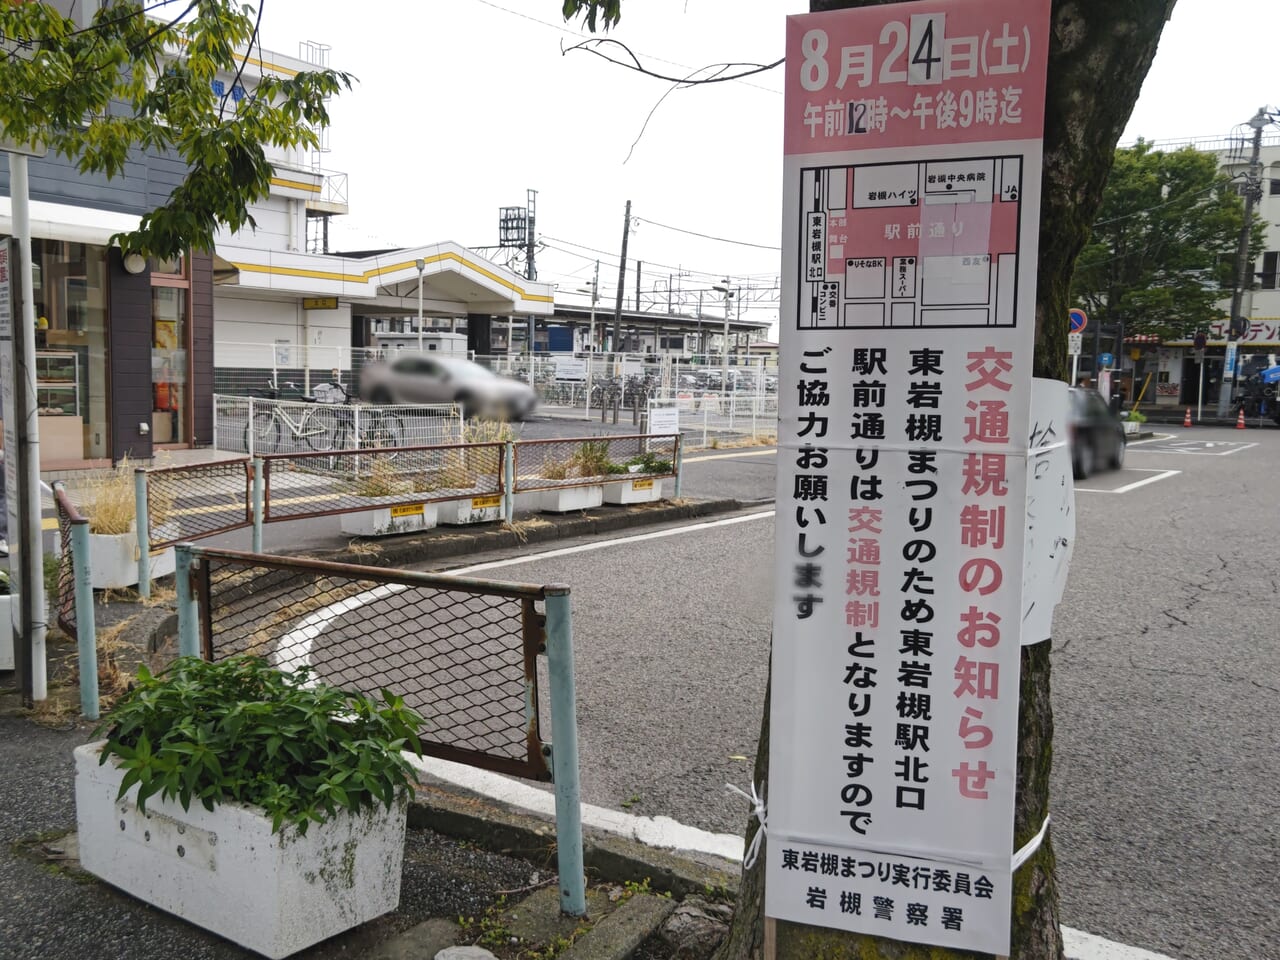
[
  {"x": 320, "y": 428},
  {"x": 386, "y": 432},
  {"x": 262, "y": 434}
]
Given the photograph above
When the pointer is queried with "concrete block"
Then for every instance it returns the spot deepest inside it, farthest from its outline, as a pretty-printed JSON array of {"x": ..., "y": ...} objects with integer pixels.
[{"x": 224, "y": 870}]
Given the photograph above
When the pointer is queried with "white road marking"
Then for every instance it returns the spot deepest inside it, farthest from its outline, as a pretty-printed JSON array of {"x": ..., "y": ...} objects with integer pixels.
[
  {"x": 1087, "y": 946},
  {"x": 1158, "y": 438},
  {"x": 1230, "y": 447},
  {"x": 731, "y": 456},
  {"x": 601, "y": 544},
  {"x": 1159, "y": 475}
]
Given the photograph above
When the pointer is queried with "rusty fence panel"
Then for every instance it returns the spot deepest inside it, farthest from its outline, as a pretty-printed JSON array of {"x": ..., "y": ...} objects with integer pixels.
[
  {"x": 350, "y": 481},
  {"x": 587, "y": 461},
  {"x": 196, "y": 501},
  {"x": 64, "y": 603},
  {"x": 463, "y": 653}
]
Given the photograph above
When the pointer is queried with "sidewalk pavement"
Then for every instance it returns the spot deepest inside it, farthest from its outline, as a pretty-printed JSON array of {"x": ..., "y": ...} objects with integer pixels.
[{"x": 466, "y": 856}]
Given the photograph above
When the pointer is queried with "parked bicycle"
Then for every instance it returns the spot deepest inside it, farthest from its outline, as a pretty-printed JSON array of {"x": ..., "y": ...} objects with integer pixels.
[
  {"x": 361, "y": 426},
  {"x": 329, "y": 419},
  {"x": 263, "y": 431}
]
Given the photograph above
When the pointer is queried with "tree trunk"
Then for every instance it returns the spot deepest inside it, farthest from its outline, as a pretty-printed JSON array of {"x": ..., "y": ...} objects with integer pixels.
[{"x": 1100, "y": 51}]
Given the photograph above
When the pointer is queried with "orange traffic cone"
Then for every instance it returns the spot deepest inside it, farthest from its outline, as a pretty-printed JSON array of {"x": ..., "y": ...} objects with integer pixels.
[
  {"x": 1186, "y": 421},
  {"x": 1240, "y": 420}
]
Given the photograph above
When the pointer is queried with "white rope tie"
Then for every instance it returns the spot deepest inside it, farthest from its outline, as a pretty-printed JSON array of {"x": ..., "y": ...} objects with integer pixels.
[
  {"x": 757, "y": 811},
  {"x": 1032, "y": 845}
]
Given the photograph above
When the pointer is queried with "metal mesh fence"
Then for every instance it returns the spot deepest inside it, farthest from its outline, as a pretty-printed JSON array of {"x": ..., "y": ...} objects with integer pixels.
[
  {"x": 245, "y": 369},
  {"x": 199, "y": 500},
  {"x": 65, "y": 601},
  {"x": 551, "y": 464},
  {"x": 313, "y": 485},
  {"x": 259, "y": 426},
  {"x": 462, "y": 653}
]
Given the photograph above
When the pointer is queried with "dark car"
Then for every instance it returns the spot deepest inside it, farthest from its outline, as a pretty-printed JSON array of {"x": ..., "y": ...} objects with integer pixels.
[{"x": 1097, "y": 434}]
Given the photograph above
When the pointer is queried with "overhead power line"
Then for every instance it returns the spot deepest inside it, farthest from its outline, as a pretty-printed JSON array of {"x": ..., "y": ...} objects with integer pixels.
[{"x": 707, "y": 236}]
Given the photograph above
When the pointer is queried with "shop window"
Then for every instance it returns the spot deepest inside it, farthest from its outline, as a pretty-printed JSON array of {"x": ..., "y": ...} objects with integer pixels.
[
  {"x": 70, "y": 298},
  {"x": 169, "y": 266},
  {"x": 1267, "y": 276},
  {"x": 169, "y": 364}
]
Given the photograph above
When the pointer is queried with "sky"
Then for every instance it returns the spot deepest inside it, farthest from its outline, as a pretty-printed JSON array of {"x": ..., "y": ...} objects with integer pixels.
[{"x": 461, "y": 106}]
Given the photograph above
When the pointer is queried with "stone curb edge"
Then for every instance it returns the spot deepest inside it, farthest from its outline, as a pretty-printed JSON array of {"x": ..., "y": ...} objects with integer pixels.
[
  {"x": 443, "y": 543},
  {"x": 500, "y": 828}
]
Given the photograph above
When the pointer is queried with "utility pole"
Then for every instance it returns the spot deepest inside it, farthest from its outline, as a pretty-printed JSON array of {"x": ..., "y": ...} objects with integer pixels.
[
  {"x": 530, "y": 271},
  {"x": 1252, "y": 193},
  {"x": 724, "y": 358},
  {"x": 622, "y": 279},
  {"x": 591, "y": 333}
]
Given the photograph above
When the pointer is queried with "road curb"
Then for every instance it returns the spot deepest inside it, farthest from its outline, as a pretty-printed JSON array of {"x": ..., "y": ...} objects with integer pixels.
[{"x": 500, "y": 828}]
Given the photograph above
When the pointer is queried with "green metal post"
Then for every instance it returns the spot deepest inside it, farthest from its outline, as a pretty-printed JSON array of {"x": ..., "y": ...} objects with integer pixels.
[
  {"x": 86, "y": 631},
  {"x": 564, "y": 752},
  {"x": 679, "y": 463},
  {"x": 259, "y": 506},
  {"x": 509, "y": 480},
  {"x": 143, "y": 525},
  {"x": 188, "y": 618}
]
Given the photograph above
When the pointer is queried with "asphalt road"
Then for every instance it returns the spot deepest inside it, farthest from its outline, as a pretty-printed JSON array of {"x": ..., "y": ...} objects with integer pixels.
[{"x": 1166, "y": 686}]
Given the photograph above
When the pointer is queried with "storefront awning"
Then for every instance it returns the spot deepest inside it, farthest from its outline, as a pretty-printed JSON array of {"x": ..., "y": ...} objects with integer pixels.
[{"x": 57, "y": 221}]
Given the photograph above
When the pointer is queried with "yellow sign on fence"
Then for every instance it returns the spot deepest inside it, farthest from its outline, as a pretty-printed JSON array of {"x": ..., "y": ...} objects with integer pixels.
[
  {"x": 642, "y": 484},
  {"x": 407, "y": 510},
  {"x": 481, "y": 503}
]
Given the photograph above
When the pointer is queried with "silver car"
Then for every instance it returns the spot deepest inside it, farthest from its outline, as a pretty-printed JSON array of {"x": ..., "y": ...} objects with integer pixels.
[{"x": 419, "y": 378}]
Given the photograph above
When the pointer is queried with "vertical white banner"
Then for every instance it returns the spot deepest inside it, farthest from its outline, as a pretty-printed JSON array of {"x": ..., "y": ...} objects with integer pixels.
[{"x": 912, "y": 194}]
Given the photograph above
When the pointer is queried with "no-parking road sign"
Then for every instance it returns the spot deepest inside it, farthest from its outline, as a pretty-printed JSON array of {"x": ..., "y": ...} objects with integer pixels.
[{"x": 1078, "y": 319}]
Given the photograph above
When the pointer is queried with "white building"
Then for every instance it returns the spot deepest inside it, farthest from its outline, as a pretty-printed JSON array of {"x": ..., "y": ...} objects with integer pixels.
[
  {"x": 1178, "y": 373},
  {"x": 279, "y": 304}
]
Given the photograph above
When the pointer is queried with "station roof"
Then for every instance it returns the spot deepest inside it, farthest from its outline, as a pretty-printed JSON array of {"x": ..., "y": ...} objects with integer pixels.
[{"x": 455, "y": 280}]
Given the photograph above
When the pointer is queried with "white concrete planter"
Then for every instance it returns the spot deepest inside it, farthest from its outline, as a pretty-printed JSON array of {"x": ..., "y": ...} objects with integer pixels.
[
  {"x": 113, "y": 562},
  {"x": 569, "y": 499},
  {"x": 1132, "y": 428},
  {"x": 224, "y": 870},
  {"x": 6, "y": 632},
  {"x": 388, "y": 520},
  {"x": 483, "y": 509},
  {"x": 639, "y": 490}
]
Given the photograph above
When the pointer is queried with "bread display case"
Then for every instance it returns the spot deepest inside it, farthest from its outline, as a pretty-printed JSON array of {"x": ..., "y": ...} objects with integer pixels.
[{"x": 58, "y": 406}]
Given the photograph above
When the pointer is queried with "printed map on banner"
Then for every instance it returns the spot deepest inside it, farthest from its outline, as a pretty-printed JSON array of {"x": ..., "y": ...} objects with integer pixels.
[
  {"x": 931, "y": 244},
  {"x": 907, "y": 468}
]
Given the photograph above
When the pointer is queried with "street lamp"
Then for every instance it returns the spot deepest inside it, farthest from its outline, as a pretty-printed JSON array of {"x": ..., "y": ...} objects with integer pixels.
[
  {"x": 724, "y": 360},
  {"x": 421, "y": 265}
]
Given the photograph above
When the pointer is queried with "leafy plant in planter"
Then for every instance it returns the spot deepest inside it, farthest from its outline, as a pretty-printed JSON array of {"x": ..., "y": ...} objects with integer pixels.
[
  {"x": 650, "y": 462},
  {"x": 240, "y": 730},
  {"x": 591, "y": 459}
]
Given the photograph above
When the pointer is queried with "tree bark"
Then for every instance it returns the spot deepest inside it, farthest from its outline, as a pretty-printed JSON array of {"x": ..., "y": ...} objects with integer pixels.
[{"x": 1100, "y": 51}]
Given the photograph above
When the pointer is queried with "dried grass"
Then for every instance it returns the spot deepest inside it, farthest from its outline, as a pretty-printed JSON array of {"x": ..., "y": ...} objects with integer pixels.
[
  {"x": 477, "y": 430},
  {"x": 363, "y": 548},
  {"x": 56, "y": 712},
  {"x": 382, "y": 480},
  {"x": 162, "y": 594},
  {"x": 107, "y": 499},
  {"x": 521, "y": 528}
]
